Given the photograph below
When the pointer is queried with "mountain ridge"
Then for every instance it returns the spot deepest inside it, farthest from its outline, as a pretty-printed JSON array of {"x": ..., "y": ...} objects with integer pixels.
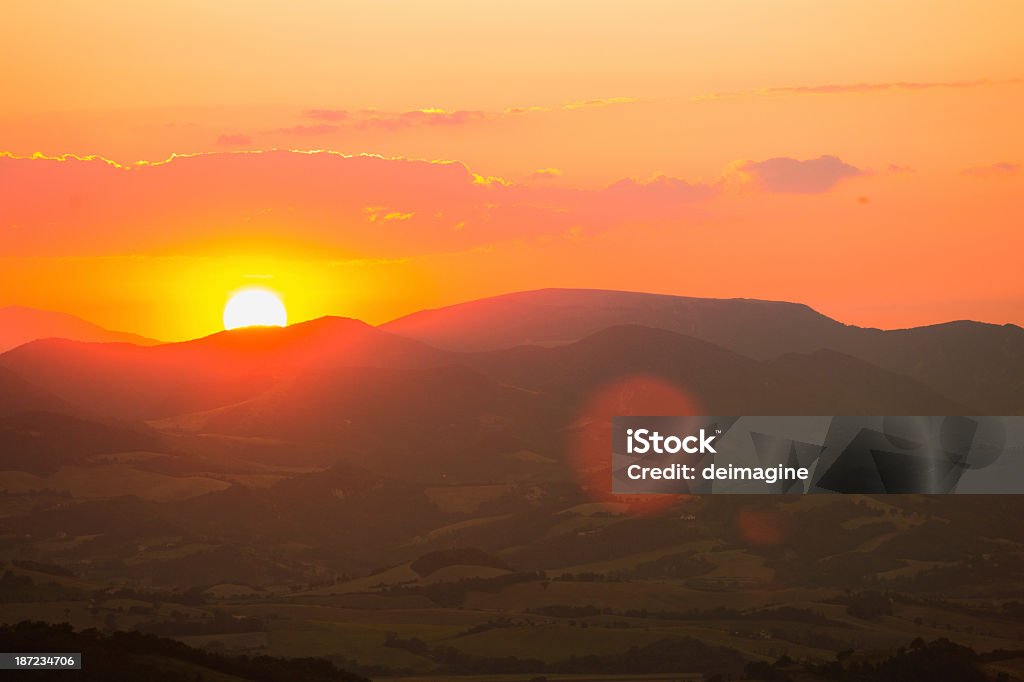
[
  {"x": 975, "y": 366},
  {"x": 154, "y": 381},
  {"x": 975, "y": 362},
  {"x": 22, "y": 324}
]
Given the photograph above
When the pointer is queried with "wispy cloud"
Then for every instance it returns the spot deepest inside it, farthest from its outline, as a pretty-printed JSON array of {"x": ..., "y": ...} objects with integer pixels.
[
  {"x": 376, "y": 119},
  {"x": 545, "y": 174},
  {"x": 996, "y": 170},
  {"x": 856, "y": 88},
  {"x": 234, "y": 140},
  {"x": 583, "y": 104},
  {"x": 380, "y": 120},
  {"x": 327, "y": 114},
  {"x": 308, "y": 130}
]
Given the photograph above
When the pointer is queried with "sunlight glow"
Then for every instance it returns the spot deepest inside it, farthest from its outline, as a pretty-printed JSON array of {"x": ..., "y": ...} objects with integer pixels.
[{"x": 254, "y": 307}]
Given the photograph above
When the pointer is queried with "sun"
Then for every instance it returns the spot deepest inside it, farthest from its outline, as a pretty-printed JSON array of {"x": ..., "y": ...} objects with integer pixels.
[{"x": 254, "y": 307}]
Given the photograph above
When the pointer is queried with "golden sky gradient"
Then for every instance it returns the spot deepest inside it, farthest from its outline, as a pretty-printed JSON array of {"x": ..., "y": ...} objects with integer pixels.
[{"x": 863, "y": 158}]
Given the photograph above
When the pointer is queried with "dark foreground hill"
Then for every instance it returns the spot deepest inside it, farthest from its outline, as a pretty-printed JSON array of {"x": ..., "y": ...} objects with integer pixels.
[
  {"x": 340, "y": 491},
  {"x": 137, "y": 656}
]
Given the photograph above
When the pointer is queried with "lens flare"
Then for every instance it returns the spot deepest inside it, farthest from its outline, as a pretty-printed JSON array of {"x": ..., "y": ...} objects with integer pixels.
[
  {"x": 762, "y": 527},
  {"x": 591, "y": 436}
]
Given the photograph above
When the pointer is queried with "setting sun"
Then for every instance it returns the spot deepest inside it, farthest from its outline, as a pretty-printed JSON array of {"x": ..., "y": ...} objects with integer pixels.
[{"x": 254, "y": 308}]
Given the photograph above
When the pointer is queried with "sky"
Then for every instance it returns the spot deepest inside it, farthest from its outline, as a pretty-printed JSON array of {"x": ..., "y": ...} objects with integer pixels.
[{"x": 373, "y": 159}]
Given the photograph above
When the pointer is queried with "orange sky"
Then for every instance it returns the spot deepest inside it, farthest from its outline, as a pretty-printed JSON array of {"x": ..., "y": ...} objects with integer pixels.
[{"x": 865, "y": 159}]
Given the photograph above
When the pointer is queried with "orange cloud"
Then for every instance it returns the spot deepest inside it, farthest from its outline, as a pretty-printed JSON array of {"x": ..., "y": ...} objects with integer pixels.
[
  {"x": 308, "y": 131},
  {"x": 327, "y": 114},
  {"x": 72, "y": 206},
  {"x": 89, "y": 207},
  {"x": 545, "y": 173},
  {"x": 995, "y": 170},
  {"x": 662, "y": 192},
  {"x": 857, "y": 88},
  {"x": 391, "y": 121},
  {"x": 583, "y": 104},
  {"x": 793, "y": 176},
  {"x": 381, "y": 213},
  {"x": 234, "y": 140},
  {"x": 374, "y": 119},
  {"x": 370, "y": 119}
]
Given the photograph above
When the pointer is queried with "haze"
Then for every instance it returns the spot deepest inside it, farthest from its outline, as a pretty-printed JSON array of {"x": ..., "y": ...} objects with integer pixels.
[{"x": 867, "y": 163}]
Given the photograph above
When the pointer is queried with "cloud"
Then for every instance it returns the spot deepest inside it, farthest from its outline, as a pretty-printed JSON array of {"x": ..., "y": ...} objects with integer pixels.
[
  {"x": 584, "y": 104},
  {"x": 876, "y": 87},
  {"x": 429, "y": 117},
  {"x": 327, "y": 114},
  {"x": 383, "y": 214},
  {"x": 343, "y": 206},
  {"x": 375, "y": 119},
  {"x": 591, "y": 103},
  {"x": 75, "y": 207},
  {"x": 545, "y": 174},
  {"x": 442, "y": 117},
  {"x": 857, "y": 88},
  {"x": 662, "y": 190},
  {"x": 308, "y": 130},
  {"x": 793, "y": 176},
  {"x": 234, "y": 140},
  {"x": 996, "y": 170}
]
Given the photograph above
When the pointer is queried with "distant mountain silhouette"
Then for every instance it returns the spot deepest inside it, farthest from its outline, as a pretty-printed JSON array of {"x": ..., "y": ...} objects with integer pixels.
[
  {"x": 554, "y": 317},
  {"x": 131, "y": 381},
  {"x": 969, "y": 362},
  {"x": 20, "y": 325},
  {"x": 340, "y": 380}
]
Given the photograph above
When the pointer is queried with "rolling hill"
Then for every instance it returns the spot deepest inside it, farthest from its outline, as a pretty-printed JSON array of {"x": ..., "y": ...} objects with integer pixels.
[
  {"x": 528, "y": 394},
  {"x": 18, "y": 395},
  {"x": 129, "y": 381},
  {"x": 335, "y": 489},
  {"x": 333, "y": 379}
]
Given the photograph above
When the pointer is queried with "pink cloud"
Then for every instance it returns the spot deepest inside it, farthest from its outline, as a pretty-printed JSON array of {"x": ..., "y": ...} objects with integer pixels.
[
  {"x": 794, "y": 176},
  {"x": 859, "y": 88},
  {"x": 90, "y": 206},
  {"x": 661, "y": 191},
  {"x": 327, "y": 114},
  {"x": 308, "y": 130},
  {"x": 875, "y": 87},
  {"x": 995, "y": 170},
  {"x": 431, "y": 117},
  {"x": 234, "y": 140}
]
